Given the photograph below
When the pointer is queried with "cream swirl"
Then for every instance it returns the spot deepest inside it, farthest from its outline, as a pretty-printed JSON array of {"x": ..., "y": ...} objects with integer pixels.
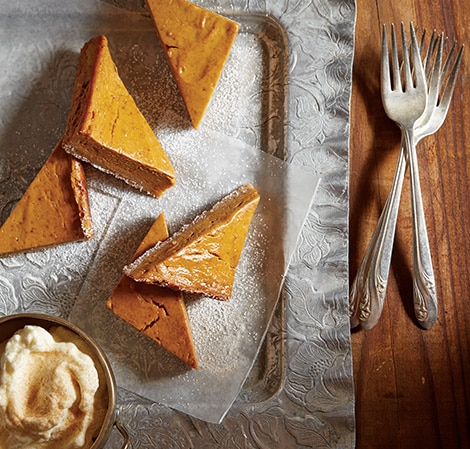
[{"x": 47, "y": 392}]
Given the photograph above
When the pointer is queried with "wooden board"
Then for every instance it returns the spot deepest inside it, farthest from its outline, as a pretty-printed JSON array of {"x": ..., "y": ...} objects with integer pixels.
[{"x": 412, "y": 385}]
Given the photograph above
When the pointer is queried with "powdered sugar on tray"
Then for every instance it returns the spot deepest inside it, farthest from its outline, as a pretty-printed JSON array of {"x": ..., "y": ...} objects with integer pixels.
[{"x": 224, "y": 153}]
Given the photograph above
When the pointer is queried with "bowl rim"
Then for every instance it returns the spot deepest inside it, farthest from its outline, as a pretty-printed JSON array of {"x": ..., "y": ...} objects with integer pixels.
[{"x": 48, "y": 321}]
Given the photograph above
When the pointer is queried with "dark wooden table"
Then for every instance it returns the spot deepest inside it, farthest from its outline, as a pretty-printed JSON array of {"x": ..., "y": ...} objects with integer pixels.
[{"x": 412, "y": 386}]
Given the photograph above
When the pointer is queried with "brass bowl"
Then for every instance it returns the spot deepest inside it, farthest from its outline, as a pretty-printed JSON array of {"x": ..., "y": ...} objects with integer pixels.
[{"x": 12, "y": 323}]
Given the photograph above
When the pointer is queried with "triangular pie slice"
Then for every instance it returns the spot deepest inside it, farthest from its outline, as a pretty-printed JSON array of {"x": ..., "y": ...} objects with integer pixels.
[
  {"x": 106, "y": 128},
  {"x": 53, "y": 210},
  {"x": 197, "y": 43},
  {"x": 158, "y": 312},
  {"x": 202, "y": 257}
]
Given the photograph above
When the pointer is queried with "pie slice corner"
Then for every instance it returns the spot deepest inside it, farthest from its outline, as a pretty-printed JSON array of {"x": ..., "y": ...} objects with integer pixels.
[
  {"x": 158, "y": 312},
  {"x": 53, "y": 210},
  {"x": 197, "y": 43},
  {"x": 202, "y": 257},
  {"x": 106, "y": 128}
]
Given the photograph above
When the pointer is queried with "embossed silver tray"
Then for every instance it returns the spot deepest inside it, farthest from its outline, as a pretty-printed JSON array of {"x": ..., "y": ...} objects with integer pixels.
[{"x": 300, "y": 392}]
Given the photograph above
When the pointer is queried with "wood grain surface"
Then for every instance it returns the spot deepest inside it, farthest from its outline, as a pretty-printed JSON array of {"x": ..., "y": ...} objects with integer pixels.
[{"x": 412, "y": 386}]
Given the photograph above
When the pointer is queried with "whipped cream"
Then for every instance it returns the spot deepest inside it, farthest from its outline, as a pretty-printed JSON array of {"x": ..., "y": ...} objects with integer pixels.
[{"x": 50, "y": 395}]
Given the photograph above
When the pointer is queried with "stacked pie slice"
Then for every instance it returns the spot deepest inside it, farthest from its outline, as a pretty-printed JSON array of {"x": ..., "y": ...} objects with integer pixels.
[
  {"x": 158, "y": 312},
  {"x": 53, "y": 210},
  {"x": 202, "y": 257},
  {"x": 106, "y": 128}
]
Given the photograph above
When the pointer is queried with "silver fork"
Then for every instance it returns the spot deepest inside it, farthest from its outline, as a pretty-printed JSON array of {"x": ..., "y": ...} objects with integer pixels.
[
  {"x": 368, "y": 290},
  {"x": 404, "y": 102}
]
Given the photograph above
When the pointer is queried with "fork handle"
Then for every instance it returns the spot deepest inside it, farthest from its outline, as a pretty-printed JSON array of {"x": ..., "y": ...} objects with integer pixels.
[
  {"x": 367, "y": 293},
  {"x": 424, "y": 284}
]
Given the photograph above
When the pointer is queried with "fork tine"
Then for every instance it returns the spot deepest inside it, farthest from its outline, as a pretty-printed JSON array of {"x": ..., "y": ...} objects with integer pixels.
[
  {"x": 429, "y": 53},
  {"x": 385, "y": 75},
  {"x": 397, "y": 85},
  {"x": 436, "y": 71},
  {"x": 448, "y": 60},
  {"x": 406, "y": 58},
  {"x": 423, "y": 40},
  {"x": 415, "y": 53},
  {"x": 451, "y": 81}
]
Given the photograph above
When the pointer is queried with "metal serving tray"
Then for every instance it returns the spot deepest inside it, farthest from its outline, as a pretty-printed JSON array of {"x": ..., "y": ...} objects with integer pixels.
[{"x": 300, "y": 391}]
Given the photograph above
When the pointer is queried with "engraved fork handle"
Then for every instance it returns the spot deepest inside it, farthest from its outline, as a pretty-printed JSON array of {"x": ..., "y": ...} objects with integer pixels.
[
  {"x": 424, "y": 284},
  {"x": 368, "y": 290}
]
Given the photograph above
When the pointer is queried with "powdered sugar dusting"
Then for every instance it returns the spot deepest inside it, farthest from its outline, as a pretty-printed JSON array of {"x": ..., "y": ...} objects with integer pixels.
[
  {"x": 209, "y": 162},
  {"x": 235, "y": 104}
]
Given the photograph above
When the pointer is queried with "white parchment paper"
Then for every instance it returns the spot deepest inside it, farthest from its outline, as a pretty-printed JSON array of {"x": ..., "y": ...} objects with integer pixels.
[{"x": 227, "y": 335}]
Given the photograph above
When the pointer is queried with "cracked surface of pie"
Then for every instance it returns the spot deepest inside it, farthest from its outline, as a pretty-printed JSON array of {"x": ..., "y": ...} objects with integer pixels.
[
  {"x": 158, "y": 312},
  {"x": 53, "y": 210},
  {"x": 202, "y": 257},
  {"x": 106, "y": 128},
  {"x": 197, "y": 43}
]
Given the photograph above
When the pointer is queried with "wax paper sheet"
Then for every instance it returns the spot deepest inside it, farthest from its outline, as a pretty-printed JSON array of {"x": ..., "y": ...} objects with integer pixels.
[{"x": 227, "y": 335}]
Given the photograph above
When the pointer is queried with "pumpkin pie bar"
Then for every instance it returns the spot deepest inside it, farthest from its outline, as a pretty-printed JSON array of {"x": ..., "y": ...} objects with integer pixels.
[
  {"x": 202, "y": 257},
  {"x": 106, "y": 128},
  {"x": 197, "y": 43},
  {"x": 158, "y": 312},
  {"x": 53, "y": 210}
]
